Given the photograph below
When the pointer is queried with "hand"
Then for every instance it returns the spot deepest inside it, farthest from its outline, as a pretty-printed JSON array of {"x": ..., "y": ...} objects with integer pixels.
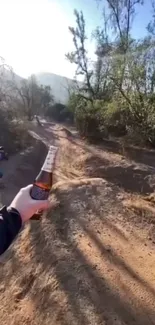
[{"x": 27, "y": 206}]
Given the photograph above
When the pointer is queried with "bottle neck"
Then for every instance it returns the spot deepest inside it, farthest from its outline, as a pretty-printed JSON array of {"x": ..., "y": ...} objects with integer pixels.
[{"x": 49, "y": 161}]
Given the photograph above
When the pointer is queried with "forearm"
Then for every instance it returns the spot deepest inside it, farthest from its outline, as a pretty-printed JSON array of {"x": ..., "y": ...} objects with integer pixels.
[{"x": 10, "y": 225}]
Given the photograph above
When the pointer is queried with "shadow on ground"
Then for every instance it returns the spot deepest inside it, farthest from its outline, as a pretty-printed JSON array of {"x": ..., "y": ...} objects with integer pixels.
[{"x": 90, "y": 296}]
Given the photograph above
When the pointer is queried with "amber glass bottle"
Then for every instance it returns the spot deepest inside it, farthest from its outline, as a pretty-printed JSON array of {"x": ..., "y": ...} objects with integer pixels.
[{"x": 43, "y": 182}]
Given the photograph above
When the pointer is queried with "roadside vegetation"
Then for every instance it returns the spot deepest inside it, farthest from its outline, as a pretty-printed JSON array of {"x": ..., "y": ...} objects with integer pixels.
[{"x": 117, "y": 96}]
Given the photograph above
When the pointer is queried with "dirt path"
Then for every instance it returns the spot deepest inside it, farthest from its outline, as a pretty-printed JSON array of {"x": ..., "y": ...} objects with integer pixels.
[
  {"x": 91, "y": 260},
  {"x": 22, "y": 168}
]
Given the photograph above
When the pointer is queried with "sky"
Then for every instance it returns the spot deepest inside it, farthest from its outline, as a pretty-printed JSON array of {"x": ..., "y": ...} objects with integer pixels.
[{"x": 34, "y": 34}]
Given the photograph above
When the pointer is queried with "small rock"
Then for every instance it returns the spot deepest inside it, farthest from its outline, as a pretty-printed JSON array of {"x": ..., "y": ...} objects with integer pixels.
[{"x": 108, "y": 250}]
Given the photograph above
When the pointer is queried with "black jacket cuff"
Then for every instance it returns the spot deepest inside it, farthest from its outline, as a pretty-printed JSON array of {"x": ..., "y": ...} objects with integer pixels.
[{"x": 10, "y": 224}]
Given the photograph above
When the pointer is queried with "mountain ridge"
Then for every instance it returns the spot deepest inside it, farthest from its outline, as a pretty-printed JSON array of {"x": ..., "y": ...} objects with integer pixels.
[{"x": 60, "y": 85}]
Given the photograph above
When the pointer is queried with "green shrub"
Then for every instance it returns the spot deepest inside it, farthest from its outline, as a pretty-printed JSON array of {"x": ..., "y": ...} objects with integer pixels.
[
  {"x": 97, "y": 119},
  {"x": 59, "y": 112},
  {"x": 116, "y": 118},
  {"x": 88, "y": 119}
]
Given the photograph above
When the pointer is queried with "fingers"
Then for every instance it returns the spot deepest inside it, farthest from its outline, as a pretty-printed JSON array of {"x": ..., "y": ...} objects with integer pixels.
[
  {"x": 39, "y": 204},
  {"x": 27, "y": 188},
  {"x": 42, "y": 204}
]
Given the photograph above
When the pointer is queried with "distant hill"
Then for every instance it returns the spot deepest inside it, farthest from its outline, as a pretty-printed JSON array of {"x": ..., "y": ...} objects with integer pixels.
[
  {"x": 59, "y": 85},
  {"x": 9, "y": 76}
]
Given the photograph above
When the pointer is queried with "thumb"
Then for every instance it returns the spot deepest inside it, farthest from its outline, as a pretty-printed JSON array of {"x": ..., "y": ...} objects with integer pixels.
[{"x": 42, "y": 204}]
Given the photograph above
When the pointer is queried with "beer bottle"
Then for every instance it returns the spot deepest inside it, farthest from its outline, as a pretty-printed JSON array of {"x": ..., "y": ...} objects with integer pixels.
[{"x": 44, "y": 180}]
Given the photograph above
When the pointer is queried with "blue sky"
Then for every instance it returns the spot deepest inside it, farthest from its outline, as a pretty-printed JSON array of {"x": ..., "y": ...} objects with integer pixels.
[
  {"x": 34, "y": 33},
  {"x": 142, "y": 19},
  {"x": 92, "y": 14}
]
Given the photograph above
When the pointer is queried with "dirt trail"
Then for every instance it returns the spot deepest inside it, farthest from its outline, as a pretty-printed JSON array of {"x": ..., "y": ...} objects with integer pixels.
[
  {"x": 90, "y": 261},
  {"x": 21, "y": 168}
]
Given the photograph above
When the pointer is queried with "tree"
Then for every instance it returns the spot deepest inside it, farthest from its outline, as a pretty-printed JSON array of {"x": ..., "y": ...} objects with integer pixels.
[
  {"x": 119, "y": 21},
  {"x": 47, "y": 99},
  {"x": 58, "y": 112},
  {"x": 119, "y": 88},
  {"x": 35, "y": 99},
  {"x": 79, "y": 56},
  {"x": 151, "y": 25}
]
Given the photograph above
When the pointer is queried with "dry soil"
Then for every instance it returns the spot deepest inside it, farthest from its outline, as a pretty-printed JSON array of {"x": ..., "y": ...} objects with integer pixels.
[{"x": 91, "y": 258}]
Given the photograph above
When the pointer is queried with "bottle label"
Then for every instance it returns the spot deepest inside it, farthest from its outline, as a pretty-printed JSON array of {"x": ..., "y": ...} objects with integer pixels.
[
  {"x": 50, "y": 159},
  {"x": 38, "y": 193}
]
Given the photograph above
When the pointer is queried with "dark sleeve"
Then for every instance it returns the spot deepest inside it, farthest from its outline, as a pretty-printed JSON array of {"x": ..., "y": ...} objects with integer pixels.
[{"x": 10, "y": 224}]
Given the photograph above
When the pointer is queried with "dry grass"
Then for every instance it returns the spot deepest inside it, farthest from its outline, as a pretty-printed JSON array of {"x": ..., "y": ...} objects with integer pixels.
[
  {"x": 139, "y": 203},
  {"x": 71, "y": 161}
]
